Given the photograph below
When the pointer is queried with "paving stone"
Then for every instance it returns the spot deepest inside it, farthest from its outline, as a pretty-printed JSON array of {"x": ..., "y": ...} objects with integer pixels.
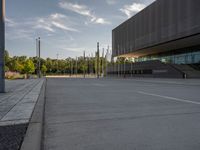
[
  {"x": 21, "y": 111},
  {"x": 16, "y": 107}
]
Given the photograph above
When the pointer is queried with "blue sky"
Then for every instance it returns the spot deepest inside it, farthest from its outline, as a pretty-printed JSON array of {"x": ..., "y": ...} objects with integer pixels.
[{"x": 66, "y": 27}]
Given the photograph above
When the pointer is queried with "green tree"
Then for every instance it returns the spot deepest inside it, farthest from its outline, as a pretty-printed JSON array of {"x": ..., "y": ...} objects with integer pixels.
[
  {"x": 6, "y": 57},
  {"x": 29, "y": 67},
  {"x": 44, "y": 69},
  {"x": 19, "y": 67},
  {"x": 15, "y": 65},
  {"x": 6, "y": 60},
  {"x": 6, "y": 68}
]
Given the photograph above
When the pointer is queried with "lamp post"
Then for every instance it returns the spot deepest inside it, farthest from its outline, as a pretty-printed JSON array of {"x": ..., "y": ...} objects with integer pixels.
[
  {"x": 84, "y": 64},
  {"x": 98, "y": 60},
  {"x": 38, "y": 57},
  {"x": 102, "y": 64},
  {"x": 57, "y": 63},
  {"x": 2, "y": 45},
  {"x": 76, "y": 66}
]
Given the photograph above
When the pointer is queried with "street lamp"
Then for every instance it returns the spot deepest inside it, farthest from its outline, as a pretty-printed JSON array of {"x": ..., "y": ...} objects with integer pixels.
[
  {"x": 2, "y": 45},
  {"x": 98, "y": 60},
  {"x": 38, "y": 43}
]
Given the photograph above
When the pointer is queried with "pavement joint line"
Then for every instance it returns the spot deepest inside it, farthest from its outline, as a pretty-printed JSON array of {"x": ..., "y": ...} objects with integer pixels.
[
  {"x": 17, "y": 90},
  {"x": 170, "y": 98}
]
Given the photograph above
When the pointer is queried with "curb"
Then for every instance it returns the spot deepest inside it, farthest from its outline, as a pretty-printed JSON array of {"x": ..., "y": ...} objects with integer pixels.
[{"x": 34, "y": 133}]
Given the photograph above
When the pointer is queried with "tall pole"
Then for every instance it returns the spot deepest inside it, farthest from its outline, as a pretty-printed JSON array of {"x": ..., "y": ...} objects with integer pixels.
[
  {"x": 102, "y": 63},
  {"x": 76, "y": 67},
  {"x": 84, "y": 64},
  {"x": 124, "y": 67},
  {"x": 72, "y": 67},
  {"x": 106, "y": 61},
  {"x": 88, "y": 65},
  {"x": 39, "y": 68},
  {"x": 98, "y": 60},
  {"x": 70, "y": 60},
  {"x": 57, "y": 62},
  {"x": 118, "y": 62},
  {"x": 2, "y": 46},
  {"x": 37, "y": 55},
  {"x": 131, "y": 68},
  {"x": 93, "y": 65}
]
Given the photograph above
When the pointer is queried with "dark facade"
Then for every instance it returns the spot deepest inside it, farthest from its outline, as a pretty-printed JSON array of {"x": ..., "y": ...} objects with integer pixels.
[
  {"x": 167, "y": 31},
  {"x": 165, "y": 25}
]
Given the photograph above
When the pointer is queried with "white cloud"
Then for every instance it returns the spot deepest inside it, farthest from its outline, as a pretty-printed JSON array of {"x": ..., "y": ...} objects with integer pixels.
[
  {"x": 132, "y": 9},
  {"x": 16, "y": 30},
  {"x": 62, "y": 26},
  {"x": 84, "y": 11},
  {"x": 54, "y": 20},
  {"x": 57, "y": 16},
  {"x": 80, "y": 9},
  {"x": 31, "y": 27},
  {"x": 41, "y": 23},
  {"x": 101, "y": 21},
  {"x": 9, "y": 22},
  {"x": 111, "y": 2}
]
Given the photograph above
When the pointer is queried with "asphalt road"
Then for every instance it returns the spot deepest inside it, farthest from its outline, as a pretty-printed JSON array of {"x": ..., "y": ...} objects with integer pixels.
[{"x": 122, "y": 114}]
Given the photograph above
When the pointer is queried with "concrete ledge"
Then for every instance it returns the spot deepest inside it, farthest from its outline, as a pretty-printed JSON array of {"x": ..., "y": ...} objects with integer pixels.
[{"x": 33, "y": 137}]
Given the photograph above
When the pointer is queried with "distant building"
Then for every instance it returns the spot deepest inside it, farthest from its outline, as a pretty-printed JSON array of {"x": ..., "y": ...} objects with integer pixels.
[{"x": 164, "y": 39}]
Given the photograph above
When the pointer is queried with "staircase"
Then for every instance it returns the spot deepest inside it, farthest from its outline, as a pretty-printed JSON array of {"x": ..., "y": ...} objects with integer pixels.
[{"x": 188, "y": 70}]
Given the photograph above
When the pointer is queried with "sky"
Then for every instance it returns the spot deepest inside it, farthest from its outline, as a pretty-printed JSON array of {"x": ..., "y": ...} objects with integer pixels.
[{"x": 66, "y": 27}]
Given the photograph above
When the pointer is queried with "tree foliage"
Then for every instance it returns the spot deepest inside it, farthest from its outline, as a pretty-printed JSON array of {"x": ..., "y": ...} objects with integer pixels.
[
  {"x": 29, "y": 67},
  {"x": 25, "y": 65}
]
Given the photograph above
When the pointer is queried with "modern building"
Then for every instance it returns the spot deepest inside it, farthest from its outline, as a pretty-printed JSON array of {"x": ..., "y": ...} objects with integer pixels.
[{"x": 166, "y": 33}]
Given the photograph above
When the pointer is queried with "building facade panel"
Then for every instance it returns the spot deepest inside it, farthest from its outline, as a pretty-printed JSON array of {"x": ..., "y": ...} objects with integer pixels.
[{"x": 161, "y": 22}]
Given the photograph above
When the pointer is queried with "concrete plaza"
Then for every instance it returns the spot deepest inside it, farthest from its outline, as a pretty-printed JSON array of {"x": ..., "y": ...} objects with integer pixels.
[
  {"x": 16, "y": 108},
  {"x": 122, "y": 114}
]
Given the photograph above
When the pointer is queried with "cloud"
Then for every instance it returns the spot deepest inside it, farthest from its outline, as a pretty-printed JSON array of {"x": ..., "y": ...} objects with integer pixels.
[
  {"x": 84, "y": 11},
  {"x": 16, "y": 30},
  {"x": 73, "y": 49},
  {"x": 9, "y": 22},
  {"x": 111, "y": 2},
  {"x": 31, "y": 27},
  {"x": 41, "y": 23},
  {"x": 54, "y": 20},
  {"x": 101, "y": 21},
  {"x": 62, "y": 26},
  {"x": 80, "y": 9},
  {"x": 132, "y": 9}
]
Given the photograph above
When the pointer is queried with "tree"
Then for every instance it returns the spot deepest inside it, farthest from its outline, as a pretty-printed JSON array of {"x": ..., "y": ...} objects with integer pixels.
[
  {"x": 15, "y": 65},
  {"x": 19, "y": 67},
  {"x": 6, "y": 57},
  {"x": 44, "y": 69},
  {"x": 6, "y": 69},
  {"x": 6, "y": 60},
  {"x": 29, "y": 67}
]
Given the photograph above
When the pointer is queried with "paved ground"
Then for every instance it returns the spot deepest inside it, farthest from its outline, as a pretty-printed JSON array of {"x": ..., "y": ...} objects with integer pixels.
[
  {"x": 16, "y": 107},
  {"x": 118, "y": 114},
  {"x": 11, "y": 136}
]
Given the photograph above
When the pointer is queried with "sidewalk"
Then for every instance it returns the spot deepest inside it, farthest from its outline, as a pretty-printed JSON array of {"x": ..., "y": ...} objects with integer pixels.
[{"x": 16, "y": 107}]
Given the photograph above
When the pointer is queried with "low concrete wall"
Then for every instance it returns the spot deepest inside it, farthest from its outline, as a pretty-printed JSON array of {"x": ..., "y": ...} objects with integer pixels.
[
  {"x": 34, "y": 133},
  {"x": 152, "y": 69}
]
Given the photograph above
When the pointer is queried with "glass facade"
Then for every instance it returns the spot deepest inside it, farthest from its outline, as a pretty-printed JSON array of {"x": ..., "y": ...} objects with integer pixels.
[{"x": 192, "y": 57}]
